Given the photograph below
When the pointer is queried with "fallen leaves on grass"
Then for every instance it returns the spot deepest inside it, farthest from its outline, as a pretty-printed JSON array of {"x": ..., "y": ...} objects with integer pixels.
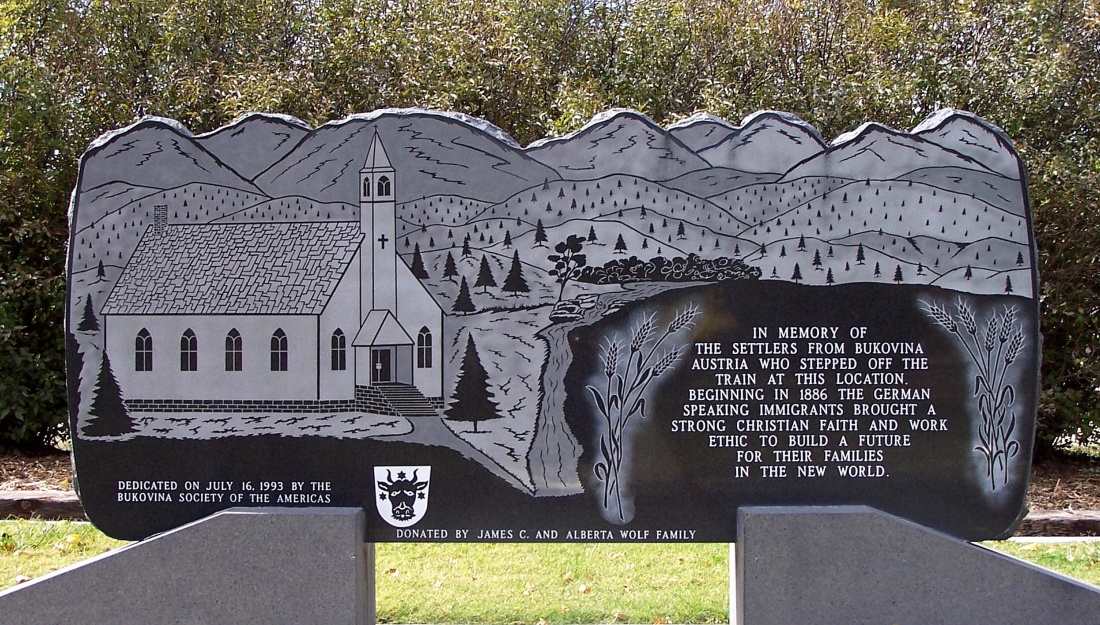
[{"x": 68, "y": 542}]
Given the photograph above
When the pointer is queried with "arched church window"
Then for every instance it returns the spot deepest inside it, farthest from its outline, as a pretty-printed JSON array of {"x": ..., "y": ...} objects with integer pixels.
[
  {"x": 189, "y": 351},
  {"x": 234, "y": 351},
  {"x": 384, "y": 186},
  {"x": 366, "y": 187},
  {"x": 278, "y": 350},
  {"x": 339, "y": 351},
  {"x": 424, "y": 349},
  {"x": 143, "y": 351}
]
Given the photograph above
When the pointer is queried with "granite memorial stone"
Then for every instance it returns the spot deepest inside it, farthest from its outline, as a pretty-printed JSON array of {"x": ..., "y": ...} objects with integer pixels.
[{"x": 624, "y": 334}]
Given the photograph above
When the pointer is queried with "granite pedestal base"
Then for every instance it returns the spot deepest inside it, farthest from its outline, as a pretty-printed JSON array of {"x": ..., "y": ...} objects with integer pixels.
[
  {"x": 264, "y": 566},
  {"x": 853, "y": 565}
]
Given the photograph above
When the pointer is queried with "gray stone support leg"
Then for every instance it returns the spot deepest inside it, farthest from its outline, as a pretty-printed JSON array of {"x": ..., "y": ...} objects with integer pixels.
[
  {"x": 853, "y": 565},
  {"x": 301, "y": 566}
]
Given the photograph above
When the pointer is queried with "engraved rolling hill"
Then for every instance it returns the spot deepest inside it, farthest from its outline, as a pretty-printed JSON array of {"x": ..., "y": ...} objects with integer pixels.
[
  {"x": 254, "y": 142},
  {"x": 436, "y": 154}
]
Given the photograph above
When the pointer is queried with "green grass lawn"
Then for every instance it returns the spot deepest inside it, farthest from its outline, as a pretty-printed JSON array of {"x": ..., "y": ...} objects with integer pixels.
[
  {"x": 1080, "y": 560},
  {"x": 508, "y": 583},
  {"x": 556, "y": 583},
  {"x": 30, "y": 549}
]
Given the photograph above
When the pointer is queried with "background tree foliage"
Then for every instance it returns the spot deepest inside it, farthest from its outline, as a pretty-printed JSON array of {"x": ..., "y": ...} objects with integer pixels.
[{"x": 73, "y": 69}]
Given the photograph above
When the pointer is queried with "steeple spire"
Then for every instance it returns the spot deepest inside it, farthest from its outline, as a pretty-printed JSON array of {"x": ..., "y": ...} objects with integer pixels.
[
  {"x": 378, "y": 223},
  {"x": 376, "y": 156}
]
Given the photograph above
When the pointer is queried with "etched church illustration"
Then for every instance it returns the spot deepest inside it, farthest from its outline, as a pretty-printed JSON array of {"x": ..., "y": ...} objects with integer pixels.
[{"x": 278, "y": 316}]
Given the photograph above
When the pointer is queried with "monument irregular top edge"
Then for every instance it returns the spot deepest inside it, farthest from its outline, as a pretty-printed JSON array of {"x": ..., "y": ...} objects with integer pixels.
[
  {"x": 862, "y": 129},
  {"x": 942, "y": 116},
  {"x": 700, "y": 117},
  {"x": 597, "y": 120},
  {"x": 749, "y": 120},
  {"x": 929, "y": 124},
  {"x": 110, "y": 135},
  {"x": 475, "y": 122},
  {"x": 280, "y": 117}
]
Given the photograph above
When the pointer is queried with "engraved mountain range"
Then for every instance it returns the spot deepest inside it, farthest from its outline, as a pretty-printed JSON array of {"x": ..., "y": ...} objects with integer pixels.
[{"x": 944, "y": 205}]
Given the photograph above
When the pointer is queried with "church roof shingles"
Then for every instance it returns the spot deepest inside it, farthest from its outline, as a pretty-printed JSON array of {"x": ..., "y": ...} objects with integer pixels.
[{"x": 235, "y": 269}]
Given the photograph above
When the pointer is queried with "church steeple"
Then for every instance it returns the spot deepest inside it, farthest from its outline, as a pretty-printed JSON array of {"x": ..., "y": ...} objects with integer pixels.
[
  {"x": 376, "y": 156},
  {"x": 378, "y": 221},
  {"x": 376, "y": 176}
]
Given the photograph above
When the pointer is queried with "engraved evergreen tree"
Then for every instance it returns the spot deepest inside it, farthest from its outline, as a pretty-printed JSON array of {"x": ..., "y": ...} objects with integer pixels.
[
  {"x": 464, "y": 303},
  {"x": 472, "y": 400},
  {"x": 515, "y": 283},
  {"x": 540, "y": 234},
  {"x": 417, "y": 267},
  {"x": 108, "y": 412},
  {"x": 88, "y": 321},
  {"x": 620, "y": 245},
  {"x": 450, "y": 271},
  {"x": 485, "y": 277}
]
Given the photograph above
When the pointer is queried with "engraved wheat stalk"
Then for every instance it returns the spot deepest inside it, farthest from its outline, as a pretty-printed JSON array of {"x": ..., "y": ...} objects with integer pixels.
[
  {"x": 993, "y": 354},
  {"x": 626, "y": 386}
]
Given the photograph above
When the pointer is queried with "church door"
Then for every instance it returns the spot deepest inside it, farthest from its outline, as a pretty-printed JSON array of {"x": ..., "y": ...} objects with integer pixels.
[{"x": 381, "y": 365}]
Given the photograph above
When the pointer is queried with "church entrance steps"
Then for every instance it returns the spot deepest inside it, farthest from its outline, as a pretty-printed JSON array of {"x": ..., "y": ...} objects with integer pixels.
[{"x": 406, "y": 400}]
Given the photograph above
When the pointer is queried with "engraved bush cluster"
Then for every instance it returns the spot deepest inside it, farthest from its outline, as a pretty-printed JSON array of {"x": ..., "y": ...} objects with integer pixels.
[
  {"x": 630, "y": 369},
  {"x": 993, "y": 345},
  {"x": 677, "y": 269}
]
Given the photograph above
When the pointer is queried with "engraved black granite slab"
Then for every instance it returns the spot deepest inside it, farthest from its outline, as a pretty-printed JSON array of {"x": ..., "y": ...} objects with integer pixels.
[{"x": 623, "y": 334}]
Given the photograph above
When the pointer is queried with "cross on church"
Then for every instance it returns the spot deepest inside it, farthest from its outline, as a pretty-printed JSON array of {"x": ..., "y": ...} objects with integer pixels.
[{"x": 382, "y": 239}]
